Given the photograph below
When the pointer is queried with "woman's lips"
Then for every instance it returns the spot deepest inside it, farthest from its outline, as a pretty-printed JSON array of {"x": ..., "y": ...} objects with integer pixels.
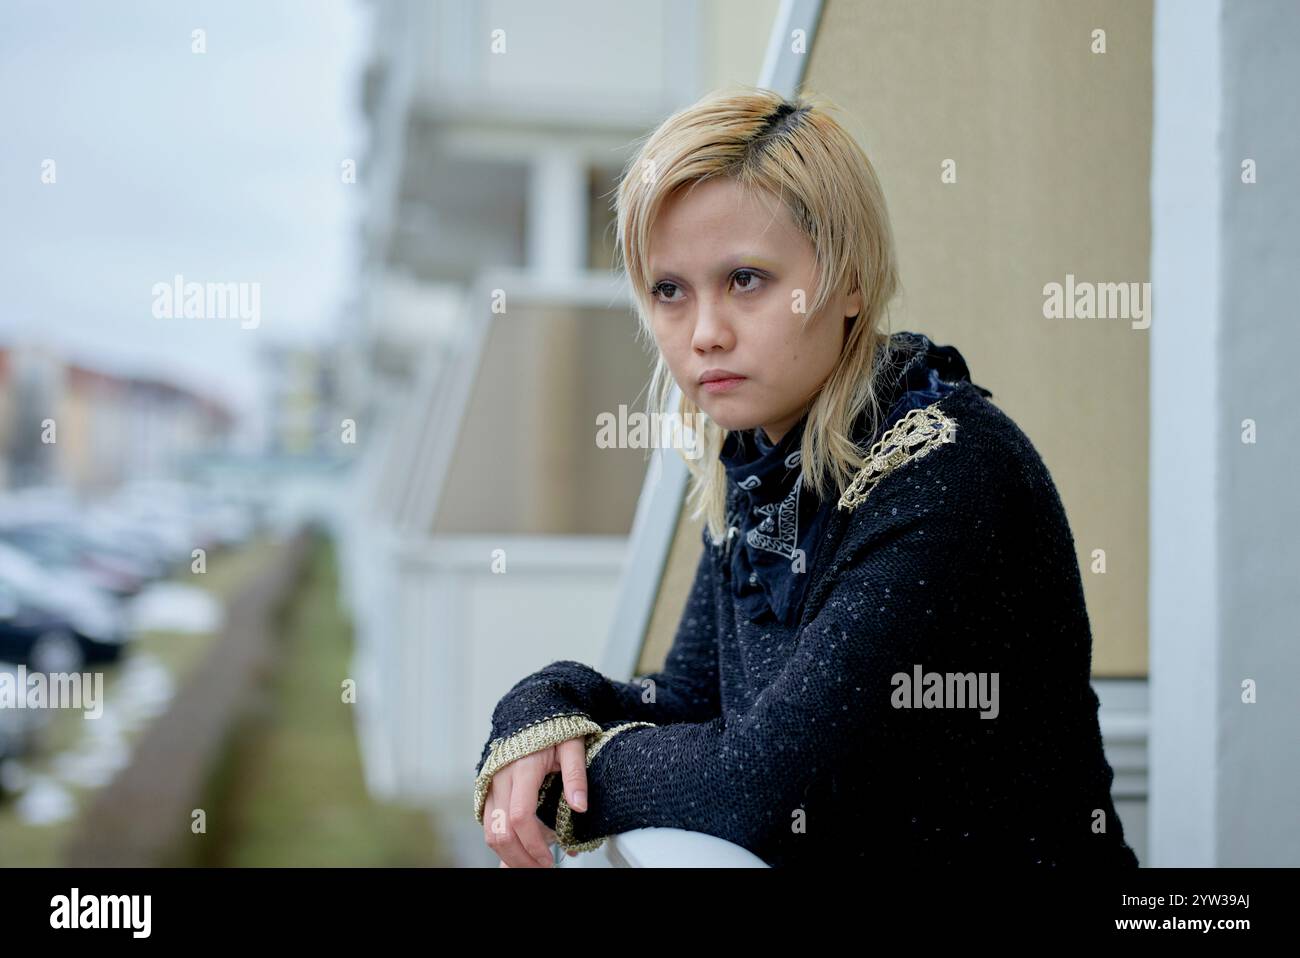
[{"x": 722, "y": 385}]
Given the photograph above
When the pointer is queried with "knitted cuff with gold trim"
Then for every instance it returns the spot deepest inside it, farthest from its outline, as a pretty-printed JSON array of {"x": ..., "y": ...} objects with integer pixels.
[
  {"x": 564, "y": 814},
  {"x": 529, "y": 739}
]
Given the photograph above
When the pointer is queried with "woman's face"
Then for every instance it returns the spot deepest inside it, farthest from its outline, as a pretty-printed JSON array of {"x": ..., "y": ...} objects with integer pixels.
[{"x": 731, "y": 276}]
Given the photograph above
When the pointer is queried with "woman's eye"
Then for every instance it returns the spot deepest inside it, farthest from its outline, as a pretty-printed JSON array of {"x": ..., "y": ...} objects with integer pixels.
[
  {"x": 659, "y": 288},
  {"x": 749, "y": 277}
]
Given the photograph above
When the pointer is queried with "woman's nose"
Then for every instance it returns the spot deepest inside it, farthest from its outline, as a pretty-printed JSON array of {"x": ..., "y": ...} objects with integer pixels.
[{"x": 712, "y": 329}]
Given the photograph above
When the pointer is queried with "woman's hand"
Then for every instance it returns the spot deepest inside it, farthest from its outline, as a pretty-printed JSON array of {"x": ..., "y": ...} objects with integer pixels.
[{"x": 511, "y": 827}]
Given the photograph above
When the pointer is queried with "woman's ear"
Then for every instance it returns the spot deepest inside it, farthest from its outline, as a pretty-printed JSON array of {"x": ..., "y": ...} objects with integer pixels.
[
  {"x": 853, "y": 305},
  {"x": 853, "y": 310}
]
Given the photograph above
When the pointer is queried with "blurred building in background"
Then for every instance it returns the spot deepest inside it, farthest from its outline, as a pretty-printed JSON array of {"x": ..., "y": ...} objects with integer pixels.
[
  {"x": 301, "y": 401},
  {"x": 90, "y": 430}
]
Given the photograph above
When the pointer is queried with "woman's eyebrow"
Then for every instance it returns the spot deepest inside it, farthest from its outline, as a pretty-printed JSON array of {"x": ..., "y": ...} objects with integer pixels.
[{"x": 728, "y": 265}]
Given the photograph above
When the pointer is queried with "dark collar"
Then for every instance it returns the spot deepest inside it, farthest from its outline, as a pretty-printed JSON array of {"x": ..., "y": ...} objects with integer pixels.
[{"x": 773, "y": 523}]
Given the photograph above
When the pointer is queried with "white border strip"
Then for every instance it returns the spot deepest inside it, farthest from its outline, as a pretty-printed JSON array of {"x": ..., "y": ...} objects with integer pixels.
[{"x": 1186, "y": 177}]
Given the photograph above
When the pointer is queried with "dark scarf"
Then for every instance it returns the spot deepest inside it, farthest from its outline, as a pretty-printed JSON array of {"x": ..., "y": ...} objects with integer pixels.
[{"x": 775, "y": 524}]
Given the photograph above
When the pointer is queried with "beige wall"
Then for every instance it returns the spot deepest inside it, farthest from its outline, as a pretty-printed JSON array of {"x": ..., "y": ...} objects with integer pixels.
[
  {"x": 1052, "y": 148},
  {"x": 674, "y": 587}
]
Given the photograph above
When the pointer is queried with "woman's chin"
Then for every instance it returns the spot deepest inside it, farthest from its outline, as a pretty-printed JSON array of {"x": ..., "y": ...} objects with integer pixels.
[{"x": 731, "y": 419}]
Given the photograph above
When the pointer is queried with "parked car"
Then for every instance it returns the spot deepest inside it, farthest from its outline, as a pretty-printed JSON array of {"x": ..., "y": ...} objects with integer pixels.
[
  {"x": 53, "y": 624},
  {"x": 63, "y": 549},
  {"x": 155, "y": 548}
]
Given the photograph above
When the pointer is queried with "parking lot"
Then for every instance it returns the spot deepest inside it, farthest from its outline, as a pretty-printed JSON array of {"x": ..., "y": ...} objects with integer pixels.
[{"x": 130, "y": 592}]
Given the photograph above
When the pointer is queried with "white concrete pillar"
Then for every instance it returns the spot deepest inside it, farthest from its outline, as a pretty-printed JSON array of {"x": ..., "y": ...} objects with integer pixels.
[{"x": 1225, "y": 522}]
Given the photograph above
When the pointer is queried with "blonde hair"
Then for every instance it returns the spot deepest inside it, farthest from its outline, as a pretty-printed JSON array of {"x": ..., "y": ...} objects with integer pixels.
[{"x": 797, "y": 152}]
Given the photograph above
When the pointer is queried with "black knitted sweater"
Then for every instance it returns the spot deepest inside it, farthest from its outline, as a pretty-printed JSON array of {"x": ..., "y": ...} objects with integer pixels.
[{"x": 828, "y": 742}]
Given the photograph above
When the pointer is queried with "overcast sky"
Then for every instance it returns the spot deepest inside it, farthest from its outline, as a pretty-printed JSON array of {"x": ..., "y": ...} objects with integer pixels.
[{"x": 222, "y": 167}]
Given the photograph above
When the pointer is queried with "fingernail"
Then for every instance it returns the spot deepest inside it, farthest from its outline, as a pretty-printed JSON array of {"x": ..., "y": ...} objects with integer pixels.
[{"x": 580, "y": 801}]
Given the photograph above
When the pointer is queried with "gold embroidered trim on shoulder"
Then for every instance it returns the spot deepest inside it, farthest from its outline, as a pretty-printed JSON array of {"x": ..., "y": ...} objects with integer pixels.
[
  {"x": 532, "y": 738},
  {"x": 564, "y": 814},
  {"x": 911, "y": 438}
]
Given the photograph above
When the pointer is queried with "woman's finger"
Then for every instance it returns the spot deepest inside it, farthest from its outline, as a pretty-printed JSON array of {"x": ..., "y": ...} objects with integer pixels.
[{"x": 573, "y": 768}]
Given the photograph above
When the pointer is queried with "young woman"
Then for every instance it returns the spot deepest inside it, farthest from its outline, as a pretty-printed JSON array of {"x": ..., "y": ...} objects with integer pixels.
[{"x": 886, "y": 653}]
